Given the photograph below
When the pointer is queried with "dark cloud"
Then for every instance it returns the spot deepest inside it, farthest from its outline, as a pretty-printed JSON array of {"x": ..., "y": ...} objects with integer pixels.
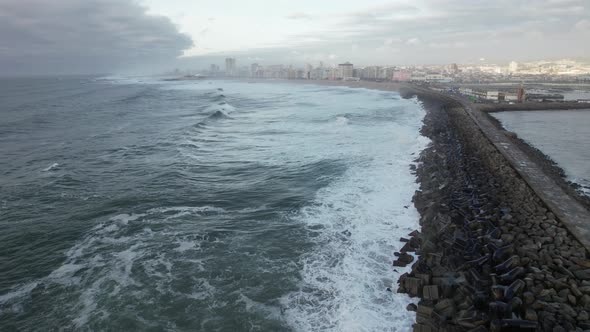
[{"x": 73, "y": 36}]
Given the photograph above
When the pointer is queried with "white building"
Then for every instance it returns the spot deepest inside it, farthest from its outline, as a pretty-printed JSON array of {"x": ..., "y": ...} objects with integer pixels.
[
  {"x": 345, "y": 70},
  {"x": 230, "y": 67},
  {"x": 513, "y": 67},
  {"x": 492, "y": 95}
]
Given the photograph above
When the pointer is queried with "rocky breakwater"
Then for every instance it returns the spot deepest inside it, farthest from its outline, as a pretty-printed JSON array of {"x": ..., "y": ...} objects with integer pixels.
[{"x": 492, "y": 257}]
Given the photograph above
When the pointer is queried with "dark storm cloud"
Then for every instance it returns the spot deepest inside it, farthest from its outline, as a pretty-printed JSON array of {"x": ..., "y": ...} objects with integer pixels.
[{"x": 73, "y": 36}]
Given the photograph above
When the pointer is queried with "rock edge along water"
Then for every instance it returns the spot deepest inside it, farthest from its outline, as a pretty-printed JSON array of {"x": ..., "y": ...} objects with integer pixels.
[{"x": 493, "y": 256}]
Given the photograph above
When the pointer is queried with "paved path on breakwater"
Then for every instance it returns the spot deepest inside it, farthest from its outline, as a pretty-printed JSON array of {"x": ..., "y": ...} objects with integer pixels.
[{"x": 567, "y": 209}]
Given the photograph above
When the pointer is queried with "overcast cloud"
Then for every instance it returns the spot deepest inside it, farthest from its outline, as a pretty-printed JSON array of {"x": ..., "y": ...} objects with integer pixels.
[
  {"x": 38, "y": 36},
  {"x": 434, "y": 32},
  {"x": 83, "y": 36}
]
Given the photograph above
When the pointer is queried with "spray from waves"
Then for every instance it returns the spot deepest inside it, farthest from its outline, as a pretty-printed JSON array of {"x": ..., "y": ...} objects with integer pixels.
[
  {"x": 341, "y": 120},
  {"x": 355, "y": 223}
]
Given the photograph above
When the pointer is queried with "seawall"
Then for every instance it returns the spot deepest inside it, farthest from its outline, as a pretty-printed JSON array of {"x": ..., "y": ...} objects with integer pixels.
[
  {"x": 493, "y": 254},
  {"x": 530, "y": 106}
]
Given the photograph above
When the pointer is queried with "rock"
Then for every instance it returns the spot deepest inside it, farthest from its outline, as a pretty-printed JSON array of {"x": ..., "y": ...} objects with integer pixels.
[
  {"x": 423, "y": 314},
  {"x": 445, "y": 308},
  {"x": 566, "y": 310},
  {"x": 430, "y": 292},
  {"x": 528, "y": 298},
  {"x": 412, "y": 286},
  {"x": 581, "y": 262},
  {"x": 575, "y": 290},
  {"x": 412, "y": 307},
  {"x": 424, "y": 277},
  {"x": 422, "y": 328},
  {"x": 531, "y": 314},
  {"x": 583, "y": 315},
  {"x": 403, "y": 259},
  {"x": 583, "y": 274},
  {"x": 572, "y": 300}
]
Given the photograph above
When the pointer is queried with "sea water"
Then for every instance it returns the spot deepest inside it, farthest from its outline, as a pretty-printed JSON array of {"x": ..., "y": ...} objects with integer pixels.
[
  {"x": 138, "y": 204},
  {"x": 562, "y": 135}
]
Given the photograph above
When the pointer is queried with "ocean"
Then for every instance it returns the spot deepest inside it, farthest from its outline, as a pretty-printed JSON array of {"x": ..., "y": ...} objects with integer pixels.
[
  {"x": 137, "y": 204},
  {"x": 561, "y": 135}
]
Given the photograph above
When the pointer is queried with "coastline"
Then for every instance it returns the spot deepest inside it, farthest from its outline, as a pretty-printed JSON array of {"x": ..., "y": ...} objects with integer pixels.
[
  {"x": 491, "y": 254},
  {"x": 550, "y": 167},
  {"x": 491, "y": 251}
]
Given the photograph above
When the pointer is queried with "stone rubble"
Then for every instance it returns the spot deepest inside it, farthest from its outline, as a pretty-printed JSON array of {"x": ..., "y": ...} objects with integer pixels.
[{"x": 492, "y": 257}]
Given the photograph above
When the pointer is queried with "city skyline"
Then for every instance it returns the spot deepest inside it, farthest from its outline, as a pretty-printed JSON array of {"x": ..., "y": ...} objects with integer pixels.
[{"x": 147, "y": 36}]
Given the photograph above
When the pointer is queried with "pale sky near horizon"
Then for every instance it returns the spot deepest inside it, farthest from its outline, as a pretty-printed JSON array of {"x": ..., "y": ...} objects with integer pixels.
[{"x": 70, "y": 36}]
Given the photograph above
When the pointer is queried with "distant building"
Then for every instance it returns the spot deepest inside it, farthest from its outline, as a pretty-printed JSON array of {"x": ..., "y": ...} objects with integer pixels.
[
  {"x": 345, "y": 70},
  {"x": 520, "y": 95},
  {"x": 418, "y": 76},
  {"x": 513, "y": 67},
  {"x": 214, "y": 70},
  {"x": 307, "y": 72},
  {"x": 492, "y": 95},
  {"x": 371, "y": 73},
  {"x": 254, "y": 70},
  {"x": 401, "y": 76},
  {"x": 230, "y": 67}
]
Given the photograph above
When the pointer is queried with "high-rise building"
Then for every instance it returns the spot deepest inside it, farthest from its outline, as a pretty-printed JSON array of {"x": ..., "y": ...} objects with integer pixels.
[
  {"x": 513, "y": 67},
  {"x": 345, "y": 70},
  {"x": 230, "y": 67},
  {"x": 520, "y": 94},
  {"x": 307, "y": 72},
  {"x": 254, "y": 69}
]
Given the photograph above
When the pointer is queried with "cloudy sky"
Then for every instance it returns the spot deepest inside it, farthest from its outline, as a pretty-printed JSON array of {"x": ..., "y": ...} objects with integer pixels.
[{"x": 116, "y": 35}]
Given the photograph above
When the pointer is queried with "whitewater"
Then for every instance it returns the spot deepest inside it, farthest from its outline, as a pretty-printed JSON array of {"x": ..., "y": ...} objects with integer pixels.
[{"x": 135, "y": 204}]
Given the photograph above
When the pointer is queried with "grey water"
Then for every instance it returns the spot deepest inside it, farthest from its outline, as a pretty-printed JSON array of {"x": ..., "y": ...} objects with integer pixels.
[
  {"x": 137, "y": 204},
  {"x": 564, "y": 136}
]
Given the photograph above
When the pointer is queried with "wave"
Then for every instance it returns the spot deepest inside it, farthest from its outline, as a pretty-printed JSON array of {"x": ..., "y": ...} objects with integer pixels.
[
  {"x": 217, "y": 115},
  {"x": 51, "y": 167},
  {"x": 354, "y": 223},
  {"x": 342, "y": 120},
  {"x": 115, "y": 258}
]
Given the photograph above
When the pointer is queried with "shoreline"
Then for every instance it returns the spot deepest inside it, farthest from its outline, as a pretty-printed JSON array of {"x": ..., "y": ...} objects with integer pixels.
[
  {"x": 491, "y": 254},
  {"x": 549, "y": 166}
]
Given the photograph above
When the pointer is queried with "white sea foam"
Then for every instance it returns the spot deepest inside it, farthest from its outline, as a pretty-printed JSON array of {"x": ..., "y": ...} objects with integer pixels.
[
  {"x": 106, "y": 257},
  {"x": 341, "y": 120},
  {"x": 51, "y": 167},
  {"x": 356, "y": 222}
]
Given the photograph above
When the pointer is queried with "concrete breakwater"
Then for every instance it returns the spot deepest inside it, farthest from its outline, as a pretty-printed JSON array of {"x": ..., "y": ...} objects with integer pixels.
[
  {"x": 532, "y": 106},
  {"x": 493, "y": 257}
]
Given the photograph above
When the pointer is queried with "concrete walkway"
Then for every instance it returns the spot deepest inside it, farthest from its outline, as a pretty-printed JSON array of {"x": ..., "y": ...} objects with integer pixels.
[{"x": 567, "y": 209}]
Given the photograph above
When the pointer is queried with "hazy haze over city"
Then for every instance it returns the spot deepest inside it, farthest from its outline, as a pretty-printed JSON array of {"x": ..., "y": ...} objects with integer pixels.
[{"x": 71, "y": 36}]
